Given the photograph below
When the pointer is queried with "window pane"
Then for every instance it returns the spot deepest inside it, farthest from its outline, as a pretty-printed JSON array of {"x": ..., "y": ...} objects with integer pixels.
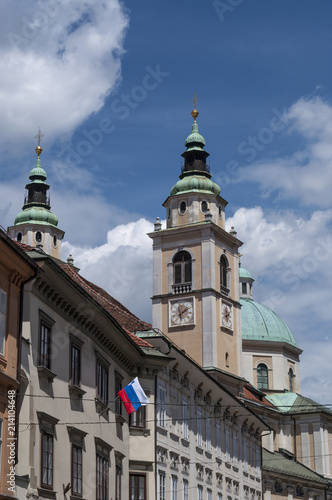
[
  {"x": 187, "y": 274},
  {"x": 3, "y": 301},
  {"x": 262, "y": 377},
  {"x": 177, "y": 273}
]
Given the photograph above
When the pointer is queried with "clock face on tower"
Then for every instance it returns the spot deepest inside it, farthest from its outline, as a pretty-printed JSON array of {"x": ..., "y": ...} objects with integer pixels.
[
  {"x": 181, "y": 312},
  {"x": 226, "y": 315}
]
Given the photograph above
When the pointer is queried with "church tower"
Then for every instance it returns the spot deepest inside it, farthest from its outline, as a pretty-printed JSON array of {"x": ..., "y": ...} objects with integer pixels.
[
  {"x": 196, "y": 266},
  {"x": 36, "y": 225}
]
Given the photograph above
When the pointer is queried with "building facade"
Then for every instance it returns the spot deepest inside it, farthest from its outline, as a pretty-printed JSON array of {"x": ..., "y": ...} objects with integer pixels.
[
  {"x": 15, "y": 270},
  {"x": 207, "y": 442}
]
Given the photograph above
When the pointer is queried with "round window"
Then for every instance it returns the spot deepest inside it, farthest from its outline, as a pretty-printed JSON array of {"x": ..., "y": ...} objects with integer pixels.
[
  {"x": 183, "y": 207},
  {"x": 19, "y": 237},
  {"x": 38, "y": 237}
]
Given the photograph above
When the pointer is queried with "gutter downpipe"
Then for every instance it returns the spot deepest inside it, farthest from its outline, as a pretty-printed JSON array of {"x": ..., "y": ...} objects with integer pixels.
[{"x": 19, "y": 356}]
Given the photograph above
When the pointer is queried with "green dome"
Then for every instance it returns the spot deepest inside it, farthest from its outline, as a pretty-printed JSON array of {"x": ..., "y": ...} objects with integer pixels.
[
  {"x": 38, "y": 174},
  {"x": 195, "y": 183},
  {"x": 243, "y": 273},
  {"x": 38, "y": 215},
  {"x": 195, "y": 140},
  {"x": 260, "y": 323}
]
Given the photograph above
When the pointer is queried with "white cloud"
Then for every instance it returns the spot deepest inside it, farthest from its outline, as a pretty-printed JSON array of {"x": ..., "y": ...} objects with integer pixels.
[
  {"x": 58, "y": 62},
  {"x": 289, "y": 259},
  {"x": 122, "y": 265},
  {"x": 307, "y": 174}
]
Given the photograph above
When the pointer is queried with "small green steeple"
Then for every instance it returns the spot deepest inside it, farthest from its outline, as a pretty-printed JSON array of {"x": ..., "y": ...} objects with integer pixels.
[
  {"x": 36, "y": 208},
  {"x": 195, "y": 173}
]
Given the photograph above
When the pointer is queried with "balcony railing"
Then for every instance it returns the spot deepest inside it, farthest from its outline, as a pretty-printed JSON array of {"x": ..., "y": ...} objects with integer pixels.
[
  {"x": 181, "y": 288},
  {"x": 197, "y": 165},
  {"x": 45, "y": 200}
]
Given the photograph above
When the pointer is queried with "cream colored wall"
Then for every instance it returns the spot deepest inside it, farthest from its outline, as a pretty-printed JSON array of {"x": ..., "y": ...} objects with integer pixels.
[
  {"x": 29, "y": 231},
  {"x": 54, "y": 399},
  {"x": 194, "y": 213},
  {"x": 170, "y": 438}
]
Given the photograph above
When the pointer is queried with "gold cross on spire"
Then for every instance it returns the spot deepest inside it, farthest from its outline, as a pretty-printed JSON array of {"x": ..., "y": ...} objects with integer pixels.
[
  {"x": 194, "y": 112},
  {"x": 39, "y": 137},
  {"x": 195, "y": 99}
]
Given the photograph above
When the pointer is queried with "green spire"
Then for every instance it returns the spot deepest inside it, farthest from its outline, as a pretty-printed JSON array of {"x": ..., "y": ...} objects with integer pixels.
[
  {"x": 36, "y": 208},
  {"x": 195, "y": 173}
]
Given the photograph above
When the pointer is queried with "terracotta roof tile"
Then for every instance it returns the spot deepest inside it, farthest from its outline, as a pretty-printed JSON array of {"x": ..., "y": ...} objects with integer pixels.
[{"x": 252, "y": 394}]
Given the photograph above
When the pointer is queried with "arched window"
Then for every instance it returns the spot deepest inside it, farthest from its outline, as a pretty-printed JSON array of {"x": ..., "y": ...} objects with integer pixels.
[
  {"x": 299, "y": 491},
  {"x": 38, "y": 237},
  {"x": 290, "y": 378},
  {"x": 19, "y": 237},
  {"x": 262, "y": 376},
  {"x": 223, "y": 272},
  {"x": 204, "y": 207},
  {"x": 278, "y": 487},
  {"x": 182, "y": 268},
  {"x": 227, "y": 359}
]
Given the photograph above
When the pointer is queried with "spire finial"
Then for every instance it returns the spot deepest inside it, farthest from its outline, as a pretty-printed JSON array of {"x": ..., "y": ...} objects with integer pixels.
[
  {"x": 194, "y": 112},
  {"x": 39, "y": 137}
]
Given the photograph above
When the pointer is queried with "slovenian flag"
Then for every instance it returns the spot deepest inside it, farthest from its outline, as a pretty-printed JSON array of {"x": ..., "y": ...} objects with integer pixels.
[{"x": 133, "y": 396}]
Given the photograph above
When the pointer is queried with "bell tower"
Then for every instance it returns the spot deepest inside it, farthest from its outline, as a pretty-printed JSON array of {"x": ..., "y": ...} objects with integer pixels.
[
  {"x": 36, "y": 225},
  {"x": 196, "y": 266}
]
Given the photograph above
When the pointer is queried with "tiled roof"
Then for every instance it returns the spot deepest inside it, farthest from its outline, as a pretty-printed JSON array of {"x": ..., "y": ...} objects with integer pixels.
[
  {"x": 281, "y": 464},
  {"x": 256, "y": 396},
  {"x": 127, "y": 320}
]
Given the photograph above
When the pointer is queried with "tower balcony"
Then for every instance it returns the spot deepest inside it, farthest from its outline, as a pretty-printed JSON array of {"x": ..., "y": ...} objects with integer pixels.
[
  {"x": 181, "y": 288},
  {"x": 37, "y": 198},
  {"x": 197, "y": 165}
]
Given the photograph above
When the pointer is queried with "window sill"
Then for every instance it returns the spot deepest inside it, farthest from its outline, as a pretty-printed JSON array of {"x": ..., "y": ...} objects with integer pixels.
[
  {"x": 46, "y": 373},
  {"x": 74, "y": 390},
  {"x": 139, "y": 431},
  {"x": 120, "y": 419},
  {"x": 101, "y": 407},
  {"x": 47, "y": 493}
]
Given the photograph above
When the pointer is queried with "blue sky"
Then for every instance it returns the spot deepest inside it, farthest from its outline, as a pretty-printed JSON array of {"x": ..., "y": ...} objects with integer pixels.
[{"x": 110, "y": 86}]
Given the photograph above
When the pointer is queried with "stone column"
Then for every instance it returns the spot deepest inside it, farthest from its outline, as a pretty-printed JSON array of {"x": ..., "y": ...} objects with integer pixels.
[
  {"x": 305, "y": 444},
  {"x": 319, "y": 448}
]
